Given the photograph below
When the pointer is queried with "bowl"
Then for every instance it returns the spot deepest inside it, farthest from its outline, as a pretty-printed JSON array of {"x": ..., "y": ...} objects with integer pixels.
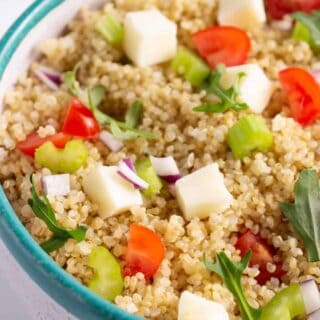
[{"x": 44, "y": 19}]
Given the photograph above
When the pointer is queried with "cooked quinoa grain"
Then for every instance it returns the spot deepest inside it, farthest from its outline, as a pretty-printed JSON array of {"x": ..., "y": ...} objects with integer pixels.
[{"x": 257, "y": 183}]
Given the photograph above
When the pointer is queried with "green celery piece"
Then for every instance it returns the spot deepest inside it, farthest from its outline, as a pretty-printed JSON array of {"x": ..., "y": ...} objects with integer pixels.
[
  {"x": 230, "y": 273},
  {"x": 146, "y": 172},
  {"x": 301, "y": 33},
  {"x": 67, "y": 160},
  {"x": 43, "y": 210},
  {"x": 250, "y": 133},
  {"x": 107, "y": 281},
  {"x": 304, "y": 213},
  {"x": 229, "y": 97},
  {"x": 134, "y": 114},
  {"x": 287, "y": 304},
  {"x": 311, "y": 21},
  {"x": 194, "y": 69},
  {"x": 110, "y": 29}
]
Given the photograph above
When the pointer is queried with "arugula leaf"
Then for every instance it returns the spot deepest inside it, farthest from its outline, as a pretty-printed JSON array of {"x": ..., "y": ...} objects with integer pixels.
[
  {"x": 304, "y": 213},
  {"x": 228, "y": 97},
  {"x": 312, "y": 22},
  {"x": 230, "y": 273},
  {"x": 96, "y": 96},
  {"x": 134, "y": 114},
  {"x": 43, "y": 210}
]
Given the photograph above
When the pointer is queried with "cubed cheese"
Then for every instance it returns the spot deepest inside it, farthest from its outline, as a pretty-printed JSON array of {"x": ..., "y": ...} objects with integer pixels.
[
  {"x": 193, "y": 307},
  {"x": 203, "y": 192},
  {"x": 110, "y": 191},
  {"x": 246, "y": 14},
  {"x": 150, "y": 37},
  {"x": 255, "y": 88}
]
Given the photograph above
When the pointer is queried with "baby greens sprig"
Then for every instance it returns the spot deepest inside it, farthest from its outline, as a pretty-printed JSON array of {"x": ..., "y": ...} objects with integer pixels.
[{"x": 43, "y": 210}]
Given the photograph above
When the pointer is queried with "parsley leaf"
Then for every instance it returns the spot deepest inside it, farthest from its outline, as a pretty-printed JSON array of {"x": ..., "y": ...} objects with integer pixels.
[
  {"x": 229, "y": 98},
  {"x": 312, "y": 22},
  {"x": 43, "y": 210},
  {"x": 304, "y": 213},
  {"x": 93, "y": 97},
  {"x": 134, "y": 114},
  {"x": 230, "y": 273}
]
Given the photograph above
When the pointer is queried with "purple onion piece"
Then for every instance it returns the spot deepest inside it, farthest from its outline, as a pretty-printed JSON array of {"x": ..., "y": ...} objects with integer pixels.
[
  {"x": 128, "y": 174},
  {"x": 49, "y": 77},
  {"x": 56, "y": 185},
  {"x": 171, "y": 179},
  {"x": 129, "y": 163},
  {"x": 108, "y": 139}
]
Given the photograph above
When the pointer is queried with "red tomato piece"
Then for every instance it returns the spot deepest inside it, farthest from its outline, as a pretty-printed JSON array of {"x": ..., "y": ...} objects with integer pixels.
[
  {"x": 223, "y": 44},
  {"x": 34, "y": 141},
  {"x": 278, "y": 8},
  {"x": 80, "y": 121},
  {"x": 145, "y": 252},
  {"x": 303, "y": 94},
  {"x": 261, "y": 256}
]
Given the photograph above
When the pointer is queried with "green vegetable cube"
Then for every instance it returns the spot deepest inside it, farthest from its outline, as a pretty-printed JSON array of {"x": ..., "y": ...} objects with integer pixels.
[
  {"x": 110, "y": 29},
  {"x": 248, "y": 134},
  {"x": 301, "y": 33},
  {"x": 108, "y": 281},
  {"x": 191, "y": 66},
  {"x": 147, "y": 173},
  {"x": 67, "y": 160}
]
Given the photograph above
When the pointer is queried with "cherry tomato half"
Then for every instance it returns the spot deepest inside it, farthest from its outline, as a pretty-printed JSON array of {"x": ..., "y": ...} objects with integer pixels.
[
  {"x": 34, "y": 141},
  {"x": 261, "y": 256},
  {"x": 80, "y": 121},
  {"x": 223, "y": 44},
  {"x": 145, "y": 252},
  {"x": 303, "y": 94}
]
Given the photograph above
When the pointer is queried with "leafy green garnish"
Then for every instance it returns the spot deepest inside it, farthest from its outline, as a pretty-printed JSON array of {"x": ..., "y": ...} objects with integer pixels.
[
  {"x": 134, "y": 114},
  {"x": 93, "y": 97},
  {"x": 229, "y": 98},
  {"x": 311, "y": 22},
  {"x": 304, "y": 213},
  {"x": 230, "y": 273},
  {"x": 43, "y": 210}
]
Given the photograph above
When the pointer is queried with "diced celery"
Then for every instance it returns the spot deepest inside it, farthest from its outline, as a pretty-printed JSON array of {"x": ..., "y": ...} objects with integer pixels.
[
  {"x": 146, "y": 172},
  {"x": 285, "y": 305},
  {"x": 110, "y": 29},
  {"x": 248, "y": 134},
  {"x": 194, "y": 69},
  {"x": 107, "y": 281},
  {"x": 301, "y": 33},
  {"x": 67, "y": 160}
]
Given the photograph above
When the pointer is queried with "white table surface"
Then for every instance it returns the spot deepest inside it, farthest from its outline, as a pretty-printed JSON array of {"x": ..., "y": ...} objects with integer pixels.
[{"x": 20, "y": 298}]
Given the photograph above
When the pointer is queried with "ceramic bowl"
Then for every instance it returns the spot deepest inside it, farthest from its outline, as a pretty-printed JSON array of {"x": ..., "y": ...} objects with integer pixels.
[{"x": 44, "y": 19}]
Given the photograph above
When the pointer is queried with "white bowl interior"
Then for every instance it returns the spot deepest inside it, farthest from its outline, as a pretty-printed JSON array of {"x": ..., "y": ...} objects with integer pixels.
[{"x": 50, "y": 26}]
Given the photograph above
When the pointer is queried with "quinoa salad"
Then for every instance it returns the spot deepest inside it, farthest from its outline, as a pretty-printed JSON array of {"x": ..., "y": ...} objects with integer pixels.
[{"x": 167, "y": 154}]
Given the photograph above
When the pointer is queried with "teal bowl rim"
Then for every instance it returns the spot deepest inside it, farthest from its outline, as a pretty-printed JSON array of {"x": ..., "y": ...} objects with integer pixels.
[{"x": 56, "y": 282}]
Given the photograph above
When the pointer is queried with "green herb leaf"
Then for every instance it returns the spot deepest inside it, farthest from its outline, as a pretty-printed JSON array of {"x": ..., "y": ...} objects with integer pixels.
[
  {"x": 43, "y": 210},
  {"x": 134, "y": 114},
  {"x": 230, "y": 273},
  {"x": 304, "y": 213},
  {"x": 312, "y": 22},
  {"x": 229, "y": 98},
  {"x": 96, "y": 96}
]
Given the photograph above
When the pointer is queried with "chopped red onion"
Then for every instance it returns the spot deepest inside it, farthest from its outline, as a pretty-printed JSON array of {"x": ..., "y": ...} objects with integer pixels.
[
  {"x": 56, "y": 185},
  {"x": 49, "y": 77},
  {"x": 314, "y": 315},
  {"x": 166, "y": 168},
  {"x": 311, "y": 296},
  {"x": 108, "y": 139},
  {"x": 126, "y": 172},
  {"x": 129, "y": 163}
]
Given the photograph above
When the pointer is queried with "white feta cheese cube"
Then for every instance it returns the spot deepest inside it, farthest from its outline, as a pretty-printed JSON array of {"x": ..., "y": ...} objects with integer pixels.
[
  {"x": 203, "y": 192},
  {"x": 245, "y": 14},
  {"x": 149, "y": 37},
  {"x": 194, "y": 307},
  {"x": 255, "y": 88},
  {"x": 110, "y": 191}
]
